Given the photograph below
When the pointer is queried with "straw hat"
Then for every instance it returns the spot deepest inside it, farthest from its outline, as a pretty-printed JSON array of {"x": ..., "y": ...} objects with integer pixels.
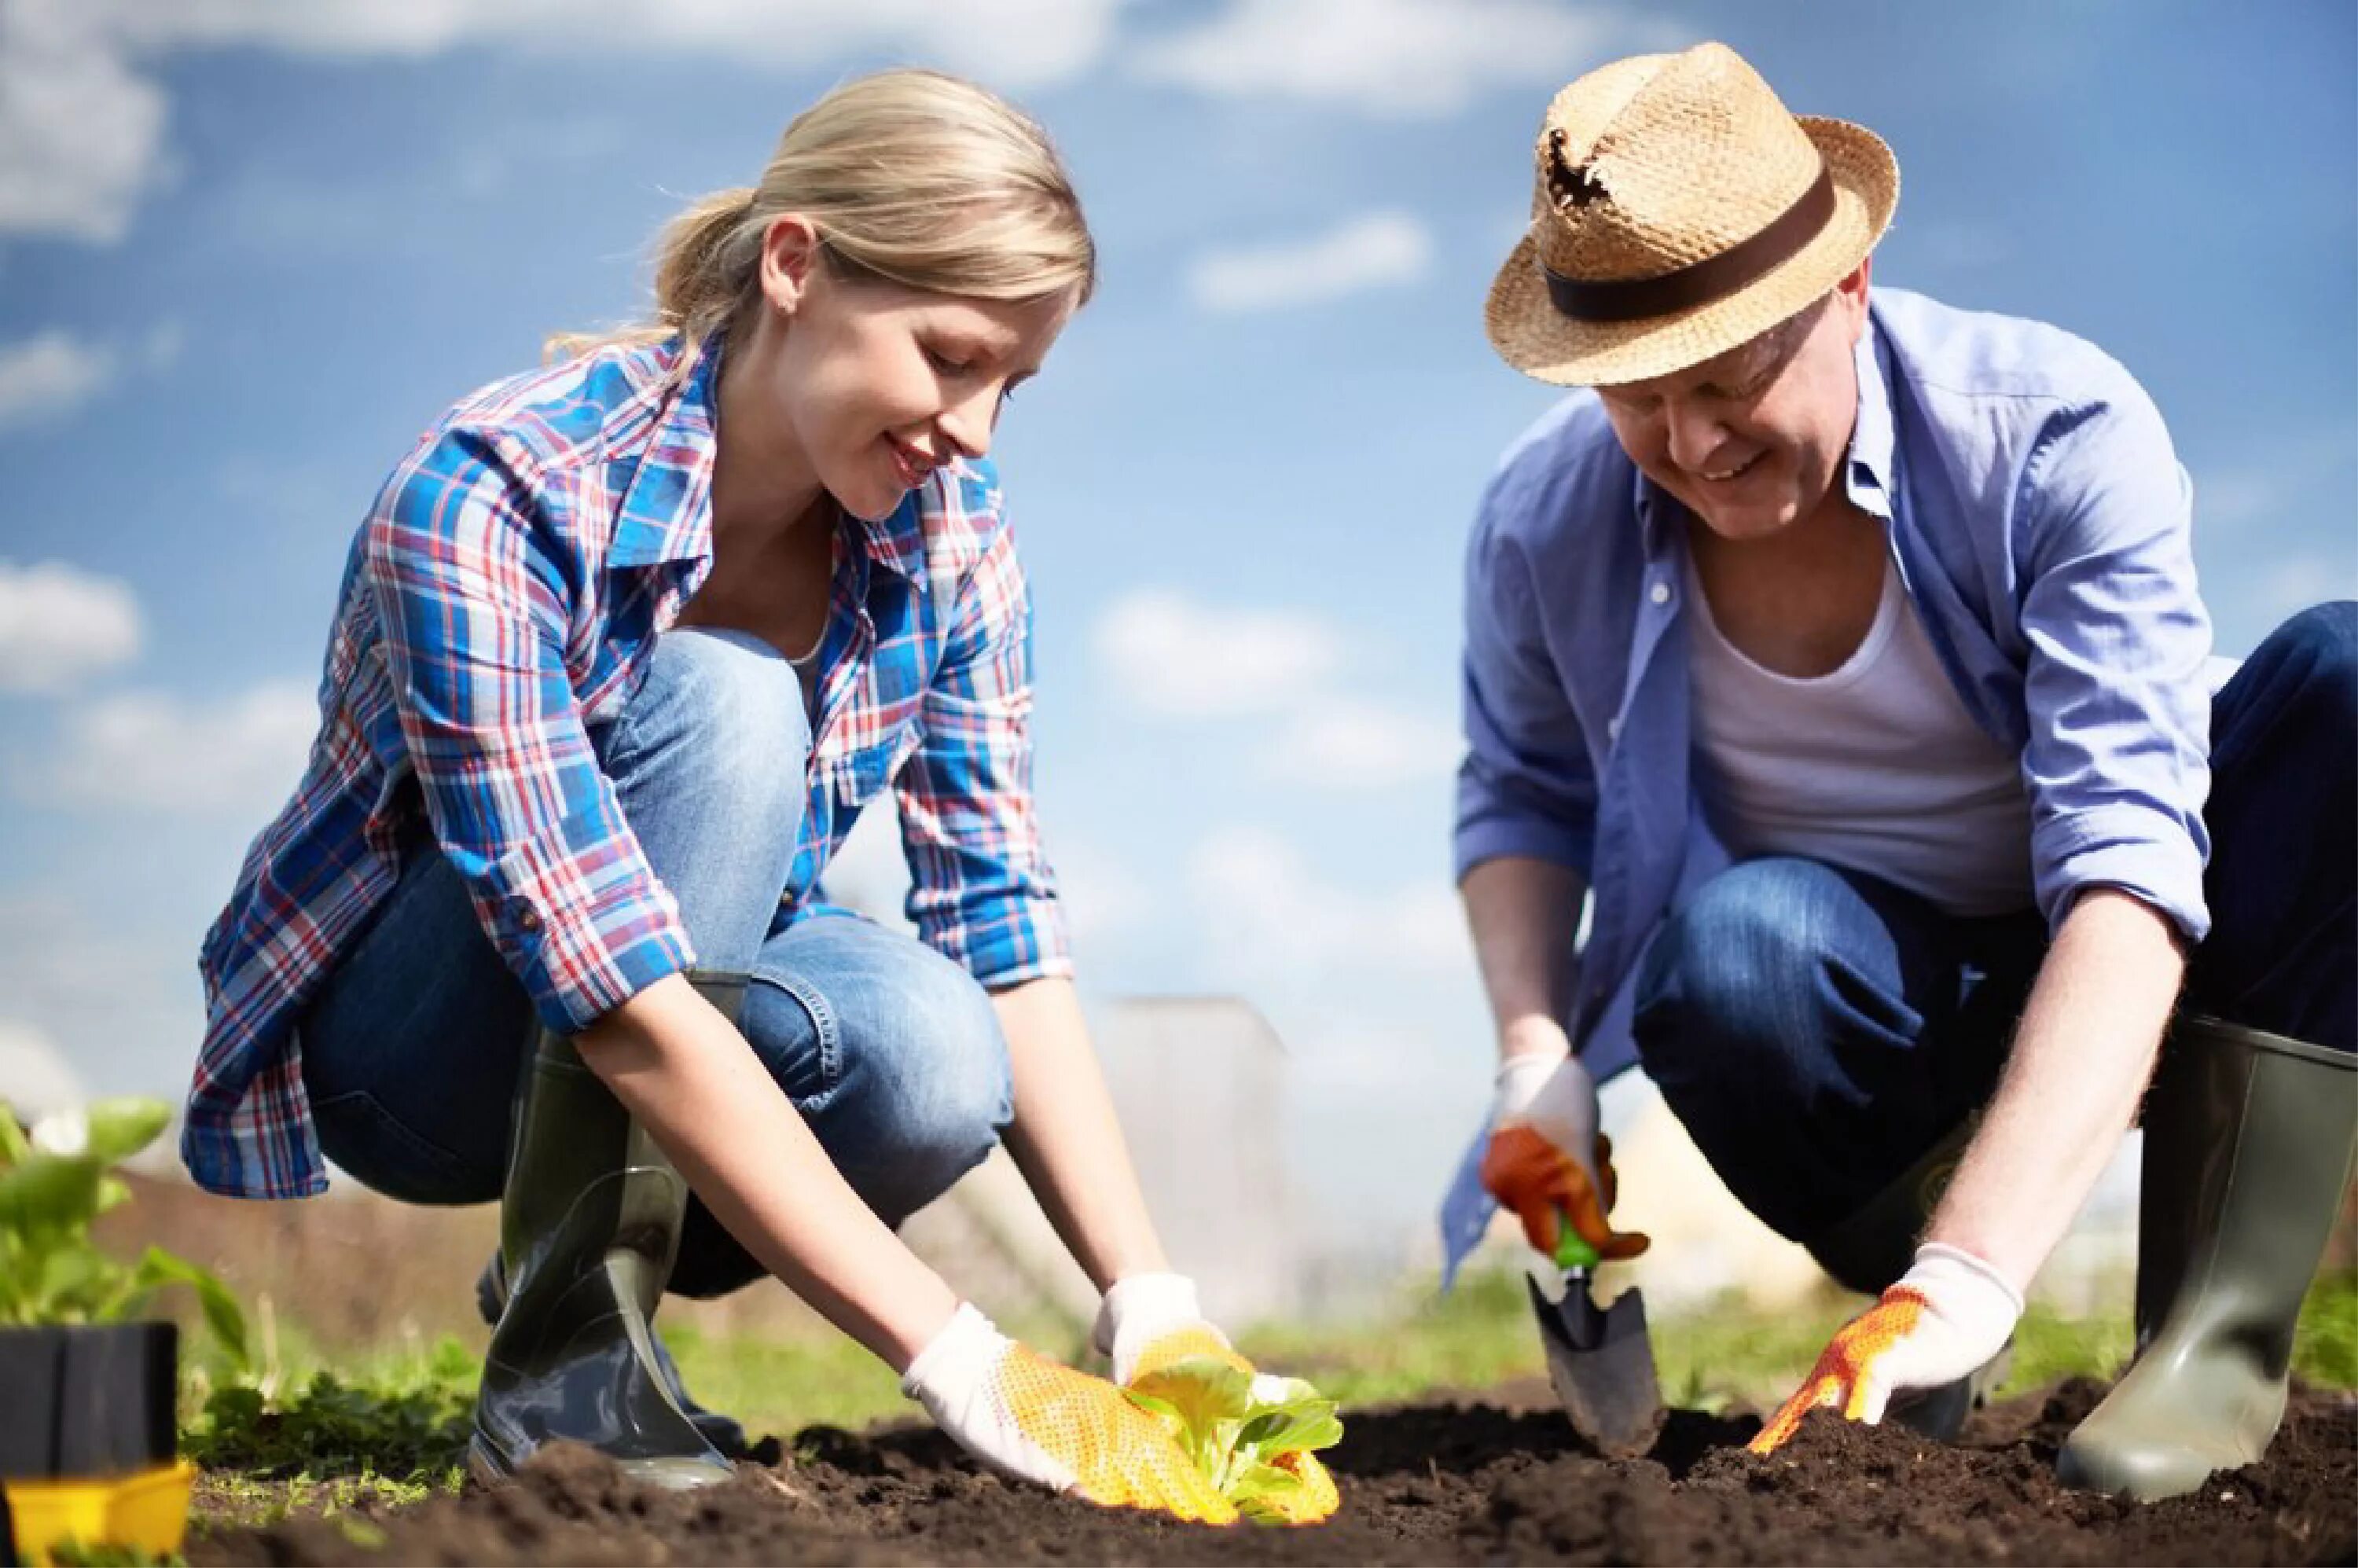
[{"x": 1679, "y": 209}]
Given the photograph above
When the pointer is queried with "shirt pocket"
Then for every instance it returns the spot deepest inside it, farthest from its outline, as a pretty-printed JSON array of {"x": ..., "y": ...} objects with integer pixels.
[{"x": 860, "y": 776}]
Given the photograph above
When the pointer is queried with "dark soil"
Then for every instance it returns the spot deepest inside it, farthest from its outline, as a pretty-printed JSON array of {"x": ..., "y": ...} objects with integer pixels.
[{"x": 1497, "y": 1479}]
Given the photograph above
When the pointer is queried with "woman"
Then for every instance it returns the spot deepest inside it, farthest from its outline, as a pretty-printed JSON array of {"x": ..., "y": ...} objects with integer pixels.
[{"x": 623, "y": 647}]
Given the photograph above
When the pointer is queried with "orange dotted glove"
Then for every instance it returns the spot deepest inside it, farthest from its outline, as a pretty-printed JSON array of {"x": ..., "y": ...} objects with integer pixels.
[
  {"x": 1947, "y": 1316},
  {"x": 1547, "y": 1161},
  {"x": 1148, "y": 1322},
  {"x": 1029, "y": 1418}
]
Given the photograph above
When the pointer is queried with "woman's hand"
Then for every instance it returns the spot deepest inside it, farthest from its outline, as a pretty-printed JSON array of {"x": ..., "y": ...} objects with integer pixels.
[
  {"x": 1027, "y": 1417},
  {"x": 1148, "y": 1322}
]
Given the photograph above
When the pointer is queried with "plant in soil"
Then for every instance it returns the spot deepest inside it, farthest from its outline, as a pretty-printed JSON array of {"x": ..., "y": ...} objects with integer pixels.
[
  {"x": 88, "y": 1449},
  {"x": 1239, "y": 1429}
]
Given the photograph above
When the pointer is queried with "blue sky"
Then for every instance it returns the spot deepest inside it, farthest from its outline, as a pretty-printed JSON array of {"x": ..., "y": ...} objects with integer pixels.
[{"x": 250, "y": 248}]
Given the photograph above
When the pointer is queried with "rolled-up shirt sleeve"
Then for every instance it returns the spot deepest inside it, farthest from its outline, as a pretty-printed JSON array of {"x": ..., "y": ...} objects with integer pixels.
[
  {"x": 2117, "y": 761},
  {"x": 1525, "y": 786},
  {"x": 473, "y": 612},
  {"x": 983, "y": 892}
]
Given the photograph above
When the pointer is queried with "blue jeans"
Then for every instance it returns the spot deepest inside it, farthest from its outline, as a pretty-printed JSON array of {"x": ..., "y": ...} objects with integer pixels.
[
  {"x": 1818, "y": 1031},
  {"x": 892, "y": 1053}
]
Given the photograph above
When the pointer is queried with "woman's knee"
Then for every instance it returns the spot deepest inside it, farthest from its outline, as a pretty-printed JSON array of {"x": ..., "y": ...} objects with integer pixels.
[
  {"x": 894, "y": 1055},
  {"x": 718, "y": 712}
]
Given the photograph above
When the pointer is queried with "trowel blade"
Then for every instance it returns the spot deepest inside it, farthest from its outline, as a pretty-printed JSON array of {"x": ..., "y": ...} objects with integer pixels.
[{"x": 1601, "y": 1366}]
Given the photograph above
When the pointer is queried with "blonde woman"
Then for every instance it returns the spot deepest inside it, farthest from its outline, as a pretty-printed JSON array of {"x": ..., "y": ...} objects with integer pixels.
[{"x": 623, "y": 648}]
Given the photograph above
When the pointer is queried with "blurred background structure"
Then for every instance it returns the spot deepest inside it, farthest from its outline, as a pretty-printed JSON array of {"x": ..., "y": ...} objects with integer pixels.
[{"x": 249, "y": 249}]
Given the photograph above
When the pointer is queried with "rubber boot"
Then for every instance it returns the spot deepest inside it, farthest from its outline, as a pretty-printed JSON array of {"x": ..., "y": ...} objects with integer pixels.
[
  {"x": 589, "y": 1226},
  {"x": 724, "y": 1432},
  {"x": 1873, "y": 1247},
  {"x": 2248, "y": 1140}
]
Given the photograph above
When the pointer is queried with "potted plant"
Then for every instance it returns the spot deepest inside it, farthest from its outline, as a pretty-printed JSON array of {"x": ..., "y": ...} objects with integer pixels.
[{"x": 88, "y": 1448}]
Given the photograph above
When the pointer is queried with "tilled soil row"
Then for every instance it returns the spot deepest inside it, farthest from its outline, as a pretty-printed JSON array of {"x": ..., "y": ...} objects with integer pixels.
[{"x": 1495, "y": 1479}]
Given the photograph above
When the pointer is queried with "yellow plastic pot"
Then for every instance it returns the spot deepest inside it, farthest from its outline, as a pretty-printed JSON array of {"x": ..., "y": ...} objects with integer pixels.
[{"x": 146, "y": 1508}]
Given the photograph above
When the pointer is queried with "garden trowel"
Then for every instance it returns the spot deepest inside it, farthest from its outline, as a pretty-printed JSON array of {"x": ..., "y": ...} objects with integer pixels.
[{"x": 1598, "y": 1358}]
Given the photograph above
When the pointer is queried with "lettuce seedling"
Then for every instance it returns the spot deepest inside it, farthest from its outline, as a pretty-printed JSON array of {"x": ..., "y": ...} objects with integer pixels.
[{"x": 1235, "y": 1427}]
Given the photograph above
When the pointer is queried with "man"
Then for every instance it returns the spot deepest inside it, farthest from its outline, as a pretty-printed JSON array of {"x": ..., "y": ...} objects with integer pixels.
[{"x": 1846, "y": 648}]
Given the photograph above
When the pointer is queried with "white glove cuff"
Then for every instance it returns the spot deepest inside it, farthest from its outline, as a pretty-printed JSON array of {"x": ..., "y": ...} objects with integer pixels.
[
  {"x": 1518, "y": 1081},
  {"x": 1158, "y": 1301},
  {"x": 1965, "y": 1290},
  {"x": 955, "y": 1362}
]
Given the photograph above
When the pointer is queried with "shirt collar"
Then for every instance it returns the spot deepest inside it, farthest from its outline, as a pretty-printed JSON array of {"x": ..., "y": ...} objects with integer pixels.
[
  {"x": 1868, "y": 471},
  {"x": 897, "y": 541},
  {"x": 666, "y": 512}
]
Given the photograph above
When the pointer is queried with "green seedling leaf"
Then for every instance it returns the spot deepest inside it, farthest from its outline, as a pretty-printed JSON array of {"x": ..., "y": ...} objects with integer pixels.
[
  {"x": 118, "y": 1128},
  {"x": 158, "y": 1268},
  {"x": 1234, "y": 1427},
  {"x": 13, "y": 1146},
  {"x": 48, "y": 1193}
]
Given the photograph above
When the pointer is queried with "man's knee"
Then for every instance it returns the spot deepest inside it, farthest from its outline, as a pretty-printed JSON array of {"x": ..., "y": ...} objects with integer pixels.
[{"x": 1737, "y": 973}]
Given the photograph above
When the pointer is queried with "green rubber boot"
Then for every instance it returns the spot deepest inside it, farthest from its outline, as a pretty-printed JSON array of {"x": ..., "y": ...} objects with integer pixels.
[
  {"x": 589, "y": 1226},
  {"x": 2247, "y": 1148},
  {"x": 1874, "y": 1246}
]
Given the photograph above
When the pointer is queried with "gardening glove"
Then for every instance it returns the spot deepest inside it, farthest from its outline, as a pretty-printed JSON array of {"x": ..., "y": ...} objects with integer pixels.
[
  {"x": 1147, "y": 1321},
  {"x": 1947, "y": 1316},
  {"x": 1546, "y": 1158},
  {"x": 1026, "y": 1417}
]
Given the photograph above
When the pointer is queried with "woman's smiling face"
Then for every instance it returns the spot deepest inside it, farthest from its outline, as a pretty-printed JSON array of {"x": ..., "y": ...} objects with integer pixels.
[
  {"x": 1752, "y": 440},
  {"x": 875, "y": 385}
]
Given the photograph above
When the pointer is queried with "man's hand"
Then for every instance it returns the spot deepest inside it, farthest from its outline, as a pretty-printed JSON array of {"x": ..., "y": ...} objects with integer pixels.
[
  {"x": 1149, "y": 1321},
  {"x": 1546, "y": 1158},
  {"x": 1027, "y": 1417},
  {"x": 1948, "y": 1315}
]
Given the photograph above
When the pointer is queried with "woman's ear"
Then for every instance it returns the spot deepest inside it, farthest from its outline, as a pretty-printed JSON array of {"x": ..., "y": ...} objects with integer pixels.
[{"x": 790, "y": 248}]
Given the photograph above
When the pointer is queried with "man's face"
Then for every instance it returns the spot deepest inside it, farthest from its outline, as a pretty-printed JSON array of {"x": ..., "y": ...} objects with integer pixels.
[{"x": 1752, "y": 440}]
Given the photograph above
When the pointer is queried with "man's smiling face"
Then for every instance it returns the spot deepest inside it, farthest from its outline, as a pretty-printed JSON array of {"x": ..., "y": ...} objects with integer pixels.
[{"x": 1752, "y": 439}]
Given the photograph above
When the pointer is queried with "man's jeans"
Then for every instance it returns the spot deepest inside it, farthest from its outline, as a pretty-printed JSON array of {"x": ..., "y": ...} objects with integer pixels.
[
  {"x": 892, "y": 1052},
  {"x": 1817, "y": 1029}
]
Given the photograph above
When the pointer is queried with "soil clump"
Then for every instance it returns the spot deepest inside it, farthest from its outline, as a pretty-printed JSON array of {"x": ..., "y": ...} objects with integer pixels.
[{"x": 1495, "y": 1477}]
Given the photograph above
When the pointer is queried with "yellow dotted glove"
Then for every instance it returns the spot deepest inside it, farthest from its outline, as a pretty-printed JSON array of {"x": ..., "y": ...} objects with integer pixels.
[
  {"x": 1027, "y": 1417},
  {"x": 1148, "y": 1321}
]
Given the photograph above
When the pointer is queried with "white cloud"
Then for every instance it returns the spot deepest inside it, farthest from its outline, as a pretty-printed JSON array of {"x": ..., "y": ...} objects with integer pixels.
[
  {"x": 152, "y": 752},
  {"x": 47, "y": 376},
  {"x": 82, "y": 130},
  {"x": 81, "y": 135},
  {"x": 1274, "y": 921},
  {"x": 33, "y": 1077},
  {"x": 1344, "y": 743},
  {"x": 1394, "y": 58},
  {"x": 119, "y": 1002},
  {"x": 59, "y": 625},
  {"x": 1168, "y": 656},
  {"x": 1379, "y": 249}
]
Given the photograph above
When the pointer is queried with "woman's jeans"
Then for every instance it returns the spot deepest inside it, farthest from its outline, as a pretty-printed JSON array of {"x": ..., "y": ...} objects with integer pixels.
[
  {"x": 1818, "y": 1031},
  {"x": 892, "y": 1052}
]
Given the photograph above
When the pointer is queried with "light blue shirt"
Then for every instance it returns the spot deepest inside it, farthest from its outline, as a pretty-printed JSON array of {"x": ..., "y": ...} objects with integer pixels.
[{"x": 2040, "y": 522}]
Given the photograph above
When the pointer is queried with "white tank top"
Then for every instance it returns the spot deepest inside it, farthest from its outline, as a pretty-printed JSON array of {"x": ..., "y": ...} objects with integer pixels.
[{"x": 1876, "y": 767}]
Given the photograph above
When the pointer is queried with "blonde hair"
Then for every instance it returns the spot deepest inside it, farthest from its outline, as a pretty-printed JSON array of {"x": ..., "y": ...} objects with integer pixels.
[{"x": 913, "y": 177}]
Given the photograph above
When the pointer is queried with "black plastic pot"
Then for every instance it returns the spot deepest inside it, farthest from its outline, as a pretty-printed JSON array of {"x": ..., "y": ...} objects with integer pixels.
[{"x": 87, "y": 1401}]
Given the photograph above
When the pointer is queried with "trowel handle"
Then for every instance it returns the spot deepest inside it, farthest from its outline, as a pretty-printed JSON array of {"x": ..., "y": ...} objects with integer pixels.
[{"x": 1572, "y": 1248}]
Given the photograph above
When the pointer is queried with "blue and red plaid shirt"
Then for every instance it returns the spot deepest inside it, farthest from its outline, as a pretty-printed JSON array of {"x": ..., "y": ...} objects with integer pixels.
[{"x": 501, "y": 598}]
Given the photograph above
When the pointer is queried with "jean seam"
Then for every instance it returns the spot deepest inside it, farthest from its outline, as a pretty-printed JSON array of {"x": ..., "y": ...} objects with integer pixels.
[
  {"x": 823, "y": 1017},
  {"x": 452, "y": 1168}
]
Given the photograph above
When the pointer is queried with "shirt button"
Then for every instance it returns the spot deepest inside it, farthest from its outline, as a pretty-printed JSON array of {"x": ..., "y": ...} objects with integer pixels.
[
  {"x": 1660, "y": 593},
  {"x": 528, "y": 918}
]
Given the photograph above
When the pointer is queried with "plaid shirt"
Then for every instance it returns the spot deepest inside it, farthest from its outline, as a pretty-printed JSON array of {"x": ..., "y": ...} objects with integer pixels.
[{"x": 503, "y": 595}]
